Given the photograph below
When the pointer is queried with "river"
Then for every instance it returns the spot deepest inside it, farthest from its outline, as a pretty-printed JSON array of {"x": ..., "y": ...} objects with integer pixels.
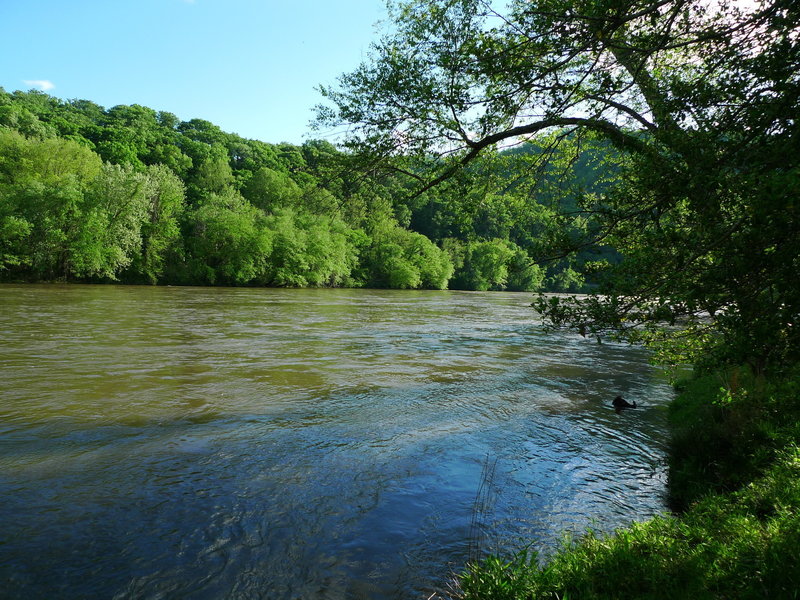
[{"x": 206, "y": 443}]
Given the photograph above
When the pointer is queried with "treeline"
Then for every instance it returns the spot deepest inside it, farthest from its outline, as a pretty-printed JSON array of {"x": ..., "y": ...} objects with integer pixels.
[{"x": 135, "y": 195}]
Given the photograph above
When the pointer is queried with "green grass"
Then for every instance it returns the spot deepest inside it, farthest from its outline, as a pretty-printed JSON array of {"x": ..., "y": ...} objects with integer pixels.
[
  {"x": 735, "y": 472},
  {"x": 727, "y": 430}
]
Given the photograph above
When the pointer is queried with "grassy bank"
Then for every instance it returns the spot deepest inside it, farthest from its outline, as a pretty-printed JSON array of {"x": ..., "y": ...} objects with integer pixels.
[{"x": 735, "y": 484}]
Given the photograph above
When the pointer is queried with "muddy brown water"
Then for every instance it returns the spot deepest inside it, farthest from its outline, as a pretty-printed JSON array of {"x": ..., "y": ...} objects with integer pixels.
[{"x": 313, "y": 444}]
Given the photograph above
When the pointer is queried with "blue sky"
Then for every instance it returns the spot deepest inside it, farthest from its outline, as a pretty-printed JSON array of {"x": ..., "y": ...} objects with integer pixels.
[{"x": 249, "y": 66}]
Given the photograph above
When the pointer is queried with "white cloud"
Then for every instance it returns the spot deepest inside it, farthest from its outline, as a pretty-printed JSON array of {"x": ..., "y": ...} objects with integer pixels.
[{"x": 43, "y": 84}]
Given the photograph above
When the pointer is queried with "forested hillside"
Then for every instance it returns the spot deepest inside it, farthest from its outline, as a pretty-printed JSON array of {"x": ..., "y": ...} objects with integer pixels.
[{"x": 134, "y": 195}]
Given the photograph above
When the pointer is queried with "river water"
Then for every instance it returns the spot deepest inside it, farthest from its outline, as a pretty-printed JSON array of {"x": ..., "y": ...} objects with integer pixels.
[{"x": 210, "y": 443}]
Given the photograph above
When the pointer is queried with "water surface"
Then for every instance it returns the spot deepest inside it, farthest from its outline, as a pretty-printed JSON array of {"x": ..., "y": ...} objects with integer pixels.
[{"x": 315, "y": 444}]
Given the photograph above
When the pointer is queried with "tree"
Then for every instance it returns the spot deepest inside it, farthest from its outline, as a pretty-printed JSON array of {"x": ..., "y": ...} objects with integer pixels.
[
  {"x": 23, "y": 121},
  {"x": 270, "y": 190},
  {"x": 229, "y": 242},
  {"x": 398, "y": 258},
  {"x": 700, "y": 98},
  {"x": 309, "y": 250},
  {"x": 485, "y": 265},
  {"x": 114, "y": 209},
  {"x": 164, "y": 206},
  {"x": 44, "y": 211},
  {"x": 213, "y": 175}
]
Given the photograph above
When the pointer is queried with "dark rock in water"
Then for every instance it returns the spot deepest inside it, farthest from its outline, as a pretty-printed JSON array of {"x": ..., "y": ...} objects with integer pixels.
[{"x": 619, "y": 403}]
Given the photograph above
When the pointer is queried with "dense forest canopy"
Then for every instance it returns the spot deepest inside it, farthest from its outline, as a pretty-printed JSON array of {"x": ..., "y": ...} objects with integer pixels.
[
  {"x": 135, "y": 195},
  {"x": 698, "y": 100}
]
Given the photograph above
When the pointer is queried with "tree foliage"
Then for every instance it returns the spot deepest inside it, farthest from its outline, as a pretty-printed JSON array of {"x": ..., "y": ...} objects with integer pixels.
[
  {"x": 135, "y": 195},
  {"x": 131, "y": 194},
  {"x": 698, "y": 99}
]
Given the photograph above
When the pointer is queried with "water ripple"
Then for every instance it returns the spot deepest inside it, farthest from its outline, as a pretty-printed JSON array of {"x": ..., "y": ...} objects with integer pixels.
[{"x": 212, "y": 443}]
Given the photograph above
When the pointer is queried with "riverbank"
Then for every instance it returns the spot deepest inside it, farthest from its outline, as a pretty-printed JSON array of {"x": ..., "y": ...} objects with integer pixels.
[{"x": 735, "y": 486}]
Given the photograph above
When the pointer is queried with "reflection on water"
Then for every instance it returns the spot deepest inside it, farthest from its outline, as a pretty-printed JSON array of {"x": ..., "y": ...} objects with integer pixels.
[{"x": 256, "y": 443}]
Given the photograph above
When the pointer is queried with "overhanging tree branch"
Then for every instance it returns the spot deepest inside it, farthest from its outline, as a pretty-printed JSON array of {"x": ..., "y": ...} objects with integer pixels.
[{"x": 620, "y": 138}]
